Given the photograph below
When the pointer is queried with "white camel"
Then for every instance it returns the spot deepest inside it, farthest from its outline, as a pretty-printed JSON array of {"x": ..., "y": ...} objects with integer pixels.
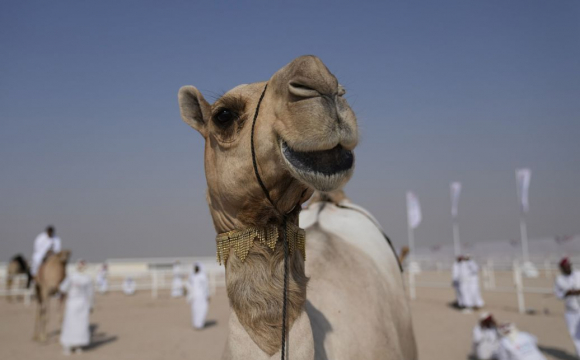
[{"x": 268, "y": 146}]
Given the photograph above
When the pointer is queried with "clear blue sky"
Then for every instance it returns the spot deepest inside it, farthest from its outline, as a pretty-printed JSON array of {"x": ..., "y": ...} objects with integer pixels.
[{"x": 91, "y": 139}]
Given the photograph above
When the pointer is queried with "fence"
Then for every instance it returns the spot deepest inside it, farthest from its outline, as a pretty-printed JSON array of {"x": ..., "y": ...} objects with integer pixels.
[
  {"x": 514, "y": 277},
  {"x": 153, "y": 275}
]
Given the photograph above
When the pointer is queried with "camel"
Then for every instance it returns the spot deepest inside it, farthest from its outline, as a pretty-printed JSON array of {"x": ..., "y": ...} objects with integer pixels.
[
  {"x": 47, "y": 281},
  {"x": 268, "y": 147},
  {"x": 17, "y": 266}
]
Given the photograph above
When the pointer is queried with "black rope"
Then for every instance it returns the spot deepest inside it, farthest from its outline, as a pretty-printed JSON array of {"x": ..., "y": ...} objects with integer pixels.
[
  {"x": 285, "y": 298},
  {"x": 254, "y": 151},
  {"x": 284, "y": 219}
]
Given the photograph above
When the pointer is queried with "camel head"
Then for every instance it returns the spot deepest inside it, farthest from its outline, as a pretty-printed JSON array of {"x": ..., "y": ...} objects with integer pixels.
[
  {"x": 63, "y": 256},
  {"x": 304, "y": 137}
]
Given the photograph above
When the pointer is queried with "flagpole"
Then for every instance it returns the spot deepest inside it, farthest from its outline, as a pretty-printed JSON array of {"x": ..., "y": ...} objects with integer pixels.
[
  {"x": 456, "y": 243},
  {"x": 411, "y": 236},
  {"x": 413, "y": 219},
  {"x": 523, "y": 183},
  {"x": 410, "y": 269},
  {"x": 524, "y": 237}
]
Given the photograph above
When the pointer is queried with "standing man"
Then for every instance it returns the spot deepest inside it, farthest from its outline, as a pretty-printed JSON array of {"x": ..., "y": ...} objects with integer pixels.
[
  {"x": 198, "y": 296},
  {"x": 567, "y": 288},
  {"x": 456, "y": 281},
  {"x": 78, "y": 288},
  {"x": 45, "y": 243},
  {"x": 473, "y": 291},
  {"x": 102, "y": 281}
]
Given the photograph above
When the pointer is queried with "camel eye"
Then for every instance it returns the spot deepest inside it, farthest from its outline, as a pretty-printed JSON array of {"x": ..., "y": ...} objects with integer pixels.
[{"x": 225, "y": 116}]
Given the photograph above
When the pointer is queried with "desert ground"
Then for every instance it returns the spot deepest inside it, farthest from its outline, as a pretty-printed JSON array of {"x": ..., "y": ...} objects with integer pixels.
[{"x": 143, "y": 328}]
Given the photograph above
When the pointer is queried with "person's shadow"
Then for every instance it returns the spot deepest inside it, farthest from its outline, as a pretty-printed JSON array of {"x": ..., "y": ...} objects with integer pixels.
[
  {"x": 557, "y": 353},
  {"x": 209, "y": 323},
  {"x": 98, "y": 338}
]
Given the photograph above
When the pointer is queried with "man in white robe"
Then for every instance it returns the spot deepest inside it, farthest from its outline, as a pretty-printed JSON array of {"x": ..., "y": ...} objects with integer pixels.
[
  {"x": 567, "y": 288},
  {"x": 129, "y": 286},
  {"x": 102, "y": 281},
  {"x": 44, "y": 243},
  {"x": 198, "y": 296},
  {"x": 469, "y": 277},
  {"x": 78, "y": 288},
  {"x": 485, "y": 338},
  {"x": 517, "y": 345},
  {"x": 455, "y": 281},
  {"x": 177, "y": 283}
]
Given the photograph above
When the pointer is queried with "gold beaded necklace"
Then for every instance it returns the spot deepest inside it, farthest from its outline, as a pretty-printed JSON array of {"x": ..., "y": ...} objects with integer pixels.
[{"x": 241, "y": 240}]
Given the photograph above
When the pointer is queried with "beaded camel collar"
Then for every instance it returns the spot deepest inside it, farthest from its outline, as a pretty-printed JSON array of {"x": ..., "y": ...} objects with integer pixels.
[{"x": 242, "y": 240}]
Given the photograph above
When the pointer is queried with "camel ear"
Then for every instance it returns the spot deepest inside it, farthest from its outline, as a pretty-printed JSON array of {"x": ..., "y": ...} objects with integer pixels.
[
  {"x": 64, "y": 255},
  {"x": 195, "y": 111}
]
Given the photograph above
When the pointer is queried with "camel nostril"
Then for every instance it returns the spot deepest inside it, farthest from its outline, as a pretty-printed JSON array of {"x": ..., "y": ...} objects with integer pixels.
[{"x": 300, "y": 90}]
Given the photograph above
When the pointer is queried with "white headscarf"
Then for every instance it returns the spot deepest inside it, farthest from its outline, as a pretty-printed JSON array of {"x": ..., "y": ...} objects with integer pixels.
[
  {"x": 508, "y": 330},
  {"x": 81, "y": 265}
]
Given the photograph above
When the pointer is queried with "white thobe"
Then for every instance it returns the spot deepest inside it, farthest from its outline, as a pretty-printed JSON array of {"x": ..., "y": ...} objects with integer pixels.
[
  {"x": 563, "y": 284},
  {"x": 485, "y": 343},
  {"x": 469, "y": 284},
  {"x": 457, "y": 283},
  {"x": 176, "y": 283},
  {"x": 129, "y": 286},
  {"x": 198, "y": 297},
  {"x": 102, "y": 282},
  {"x": 521, "y": 346},
  {"x": 42, "y": 245},
  {"x": 75, "y": 325}
]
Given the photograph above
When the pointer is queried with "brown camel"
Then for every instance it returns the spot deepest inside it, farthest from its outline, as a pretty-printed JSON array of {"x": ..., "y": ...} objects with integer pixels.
[
  {"x": 17, "y": 266},
  {"x": 268, "y": 147},
  {"x": 47, "y": 281}
]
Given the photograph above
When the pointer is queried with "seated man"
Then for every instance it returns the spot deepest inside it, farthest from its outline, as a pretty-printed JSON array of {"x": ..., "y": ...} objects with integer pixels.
[
  {"x": 517, "y": 345},
  {"x": 45, "y": 243},
  {"x": 485, "y": 338},
  {"x": 129, "y": 286}
]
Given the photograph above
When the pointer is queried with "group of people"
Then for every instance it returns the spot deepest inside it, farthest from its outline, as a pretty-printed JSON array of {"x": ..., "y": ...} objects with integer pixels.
[
  {"x": 490, "y": 341},
  {"x": 77, "y": 290},
  {"x": 503, "y": 342},
  {"x": 465, "y": 281}
]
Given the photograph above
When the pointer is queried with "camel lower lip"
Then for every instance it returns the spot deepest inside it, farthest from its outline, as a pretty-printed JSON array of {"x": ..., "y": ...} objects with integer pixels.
[{"x": 326, "y": 162}]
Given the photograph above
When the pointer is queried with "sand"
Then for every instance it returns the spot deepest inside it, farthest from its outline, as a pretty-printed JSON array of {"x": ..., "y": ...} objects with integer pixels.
[{"x": 139, "y": 327}]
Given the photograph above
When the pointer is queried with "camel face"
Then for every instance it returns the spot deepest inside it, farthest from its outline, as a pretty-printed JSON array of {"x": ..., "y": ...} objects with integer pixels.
[{"x": 304, "y": 136}]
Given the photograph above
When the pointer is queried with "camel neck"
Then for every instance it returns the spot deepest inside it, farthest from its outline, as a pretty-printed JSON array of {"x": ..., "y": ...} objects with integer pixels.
[{"x": 255, "y": 289}]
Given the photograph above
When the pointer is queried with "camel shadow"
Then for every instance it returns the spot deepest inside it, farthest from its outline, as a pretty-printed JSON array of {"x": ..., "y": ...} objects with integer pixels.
[{"x": 557, "y": 353}]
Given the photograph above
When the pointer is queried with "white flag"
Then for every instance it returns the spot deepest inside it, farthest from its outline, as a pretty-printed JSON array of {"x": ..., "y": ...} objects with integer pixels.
[
  {"x": 413, "y": 210},
  {"x": 455, "y": 191},
  {"x": 523, "y": 181}
]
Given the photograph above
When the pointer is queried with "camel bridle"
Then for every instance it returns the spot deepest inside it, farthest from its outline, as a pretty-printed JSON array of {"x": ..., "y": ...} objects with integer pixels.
[{"x": 284, "y": 221}]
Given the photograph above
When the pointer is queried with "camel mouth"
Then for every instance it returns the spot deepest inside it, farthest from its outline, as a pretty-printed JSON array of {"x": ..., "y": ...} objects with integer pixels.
[{"x": 325, "y": 170}]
